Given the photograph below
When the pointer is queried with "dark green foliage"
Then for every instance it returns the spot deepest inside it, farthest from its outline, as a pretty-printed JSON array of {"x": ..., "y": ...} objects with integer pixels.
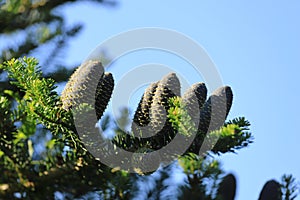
[
  {"x": 289, "y": 187},
  {"x": 202, "y": 177},
  {"x": 6, "y": 123},
  {"x": 73, "y": 171},
  {"x": 39, "y": 28},
  {"x": 66, "y": 166},
  {"x": 233, "y": 136},
  {"x": 41, "y": 23}
]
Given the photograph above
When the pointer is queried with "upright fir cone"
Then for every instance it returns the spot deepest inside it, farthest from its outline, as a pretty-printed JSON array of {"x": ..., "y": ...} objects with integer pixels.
[
  {"x": 212, "y": 115},
  {"x": 227, "y": 188},
  {"x": 215, "y": 110},
  {"x": 103, "y": 93},
  {"x": 142, "y": 114},
  {"x": 77, "y": 90},
  {"x": 88, "y": 84},
  {"x": 271, "y": 190},
  {"x": 167, "y": 88},
  {"x": 193, "y": 99}
]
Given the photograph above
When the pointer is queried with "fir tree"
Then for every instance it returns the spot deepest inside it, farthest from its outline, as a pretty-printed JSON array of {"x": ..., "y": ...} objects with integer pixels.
[
  {"x": 66, "y": 168},
  {"x": 42, "y": 156}
]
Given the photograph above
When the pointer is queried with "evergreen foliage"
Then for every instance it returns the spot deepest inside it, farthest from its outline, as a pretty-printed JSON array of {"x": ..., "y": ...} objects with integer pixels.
[
  {"x": 39, "y": 28},
  {"x": 64, "y": 167},
  {"x": 41, "y": 154}
]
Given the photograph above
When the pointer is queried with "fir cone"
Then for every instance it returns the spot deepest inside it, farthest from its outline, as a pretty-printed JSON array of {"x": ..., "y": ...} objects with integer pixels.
[
  {"x": 227, "y": 188},
  {"x": 103, "y": 93},
  {"x": 150, "y": 120},
  {"x": 87, "y": 93},
  {"x": 77, "y": 90},
  {"x": 194, "y": 99},
  {"x": 142, "y": 114},
  {"x": 215, "y": 110},
  {"x": 271, "y": 190},
  {"x": 212, "y": 116},
  {"x": 167, "y": 88}
]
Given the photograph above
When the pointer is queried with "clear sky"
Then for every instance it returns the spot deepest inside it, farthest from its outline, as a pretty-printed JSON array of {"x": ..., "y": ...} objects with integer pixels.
[{"x": 256, "y": 48}]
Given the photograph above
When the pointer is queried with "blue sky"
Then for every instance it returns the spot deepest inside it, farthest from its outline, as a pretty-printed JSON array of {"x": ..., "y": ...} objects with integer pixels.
[{"x": 256, "y": 48}]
